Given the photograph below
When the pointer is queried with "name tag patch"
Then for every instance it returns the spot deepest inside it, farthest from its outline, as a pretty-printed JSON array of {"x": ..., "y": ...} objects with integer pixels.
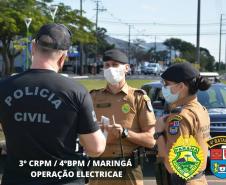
[{"x": 103, "y": 105}]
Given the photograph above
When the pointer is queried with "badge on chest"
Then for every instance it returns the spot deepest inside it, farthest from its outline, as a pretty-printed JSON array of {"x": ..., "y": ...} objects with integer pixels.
[{"x": 125, "y": 108}]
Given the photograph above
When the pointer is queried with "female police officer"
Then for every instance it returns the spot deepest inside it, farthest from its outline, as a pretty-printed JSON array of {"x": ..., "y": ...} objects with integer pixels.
[{"x": 180, "y": 85}]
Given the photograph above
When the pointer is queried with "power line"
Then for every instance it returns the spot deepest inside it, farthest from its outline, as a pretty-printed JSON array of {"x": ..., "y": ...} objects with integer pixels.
[
  {"x": 164, "y": 34},
  {"x": 158, "y": 23}
]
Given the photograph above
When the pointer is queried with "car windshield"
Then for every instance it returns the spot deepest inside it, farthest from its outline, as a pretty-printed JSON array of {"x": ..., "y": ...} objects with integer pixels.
[{"x": 214, "y": 97}]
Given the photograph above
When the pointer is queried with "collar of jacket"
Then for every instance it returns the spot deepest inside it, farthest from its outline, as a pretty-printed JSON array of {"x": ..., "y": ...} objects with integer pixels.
[{"x": 124, "y": 89}]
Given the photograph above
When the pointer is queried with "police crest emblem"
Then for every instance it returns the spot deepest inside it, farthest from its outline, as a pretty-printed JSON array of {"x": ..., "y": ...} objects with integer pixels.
[
  {"x": 174, "y": 125},
  {"x": 125, "y": 108},
  {"x": 217, "y": 147},
  {"x": 186, "y": 157}
]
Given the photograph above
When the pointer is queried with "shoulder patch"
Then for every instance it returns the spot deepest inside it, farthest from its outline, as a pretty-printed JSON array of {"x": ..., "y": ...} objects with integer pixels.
[
  {"x": 174, "y": 124},
  {"x": 146, "y": 98},
  {"x": 176, "y": 118},
  {"x": 148, "y": 103}
]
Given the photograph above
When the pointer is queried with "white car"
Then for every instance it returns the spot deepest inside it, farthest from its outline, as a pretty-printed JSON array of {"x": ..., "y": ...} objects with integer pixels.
[{"x": 153, "y": 68}]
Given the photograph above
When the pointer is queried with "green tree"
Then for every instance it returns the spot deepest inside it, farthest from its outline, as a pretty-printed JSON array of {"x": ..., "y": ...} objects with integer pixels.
[
  {"x": 188, "y": 51},
  {"x": 100, "y": 44},
  {"x": 81, "y": 27},
  {"x": 161, "y": 55},
  {"x": 13, "y": 28},
  {"x": 12, "y": 25},
  {"x": 137, "y": 50},
  {"x": 179, "y": 60},
  {"x": 206, "y": 60}
]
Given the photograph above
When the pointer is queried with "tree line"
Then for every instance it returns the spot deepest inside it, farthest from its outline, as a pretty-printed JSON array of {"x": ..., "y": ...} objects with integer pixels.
[{"x": 13, "y": 34}]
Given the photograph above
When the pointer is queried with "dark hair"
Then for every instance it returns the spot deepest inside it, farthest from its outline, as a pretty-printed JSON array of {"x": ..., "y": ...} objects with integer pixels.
[{"x": 198, "y": 83}]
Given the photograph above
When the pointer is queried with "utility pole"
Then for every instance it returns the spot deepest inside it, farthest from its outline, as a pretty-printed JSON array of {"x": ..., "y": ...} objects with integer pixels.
[
  {"x": 220, "y": 42},
  {"x": 129, "y": 43},
  {"x": 225, "y": 57},
  {"x": 81, "y": 45},
  {"x": 198, "y": 34},
  {"x": 155, "y": 51},
  {"x": 98, "y": 9}
]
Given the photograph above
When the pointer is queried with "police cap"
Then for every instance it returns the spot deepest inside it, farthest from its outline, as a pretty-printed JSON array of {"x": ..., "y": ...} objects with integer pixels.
[
  {"x": 180, "y": 72},
  {"x": 116, "y": 55},
  {"x": 54, "y": 36}
]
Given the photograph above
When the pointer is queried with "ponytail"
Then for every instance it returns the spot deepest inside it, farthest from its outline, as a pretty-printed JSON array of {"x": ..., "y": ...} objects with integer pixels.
[
  {"x": 197, "y": 83},
  {"x": 202, "y": 83}
]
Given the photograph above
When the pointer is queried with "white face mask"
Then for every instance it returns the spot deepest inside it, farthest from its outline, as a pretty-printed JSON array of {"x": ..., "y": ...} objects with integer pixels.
[
  {"x": 168, "y": 95},
  {"x": 114, "y": 75}
]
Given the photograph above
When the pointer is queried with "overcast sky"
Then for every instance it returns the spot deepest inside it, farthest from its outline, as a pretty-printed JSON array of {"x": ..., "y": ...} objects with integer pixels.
[{"x": 160, "y": 18}]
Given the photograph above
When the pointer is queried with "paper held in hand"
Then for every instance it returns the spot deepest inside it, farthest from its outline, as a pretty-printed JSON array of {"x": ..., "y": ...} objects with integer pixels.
[{"x": 105, "y": 121}]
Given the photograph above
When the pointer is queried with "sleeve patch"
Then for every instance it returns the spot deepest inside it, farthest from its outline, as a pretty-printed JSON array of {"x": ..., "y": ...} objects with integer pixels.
[
  {"x": 148, "y": 103},
  {"x": 174, "y": 124}
]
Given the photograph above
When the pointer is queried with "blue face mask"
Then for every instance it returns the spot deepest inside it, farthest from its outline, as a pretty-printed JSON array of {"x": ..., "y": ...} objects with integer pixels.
[{"x": 169, "y": 97}]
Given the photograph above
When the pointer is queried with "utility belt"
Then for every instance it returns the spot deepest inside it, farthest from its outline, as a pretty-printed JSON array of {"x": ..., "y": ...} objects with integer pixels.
[
  {"x": 175, "y": 179},
  {"x": 139, "y": 155},
  {"x": 136, "y": 157}
]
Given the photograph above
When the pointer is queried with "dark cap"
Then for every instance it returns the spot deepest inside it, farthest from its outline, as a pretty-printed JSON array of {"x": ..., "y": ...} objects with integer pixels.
[
  {"x": 54, "y": 36},
  {"x": 116, "y": 55},
  {"x": 180, "y": 72}
]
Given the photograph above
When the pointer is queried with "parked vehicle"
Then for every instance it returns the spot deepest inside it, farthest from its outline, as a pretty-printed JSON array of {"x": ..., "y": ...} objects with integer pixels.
[
  {"x": 214, "y": 99},
  {"x": 152, "y": 68}
]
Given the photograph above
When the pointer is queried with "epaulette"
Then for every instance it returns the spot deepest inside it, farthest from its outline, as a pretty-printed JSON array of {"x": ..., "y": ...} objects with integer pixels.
[
  {"x": 176, "y": 110},
  {"x": 141, "y": 91},
  {"x": 146, "y": 98},
  {"x": 95, "y": 90}
]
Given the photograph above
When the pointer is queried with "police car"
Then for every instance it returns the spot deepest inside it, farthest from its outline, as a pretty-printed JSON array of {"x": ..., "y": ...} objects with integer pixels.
[{"x": 214, "y": 99}]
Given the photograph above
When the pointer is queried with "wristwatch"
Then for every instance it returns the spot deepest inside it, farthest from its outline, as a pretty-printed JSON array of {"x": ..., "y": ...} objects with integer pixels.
[
  {"x": 125, "y": 133},
  {"x": 158, "y": 134}
]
